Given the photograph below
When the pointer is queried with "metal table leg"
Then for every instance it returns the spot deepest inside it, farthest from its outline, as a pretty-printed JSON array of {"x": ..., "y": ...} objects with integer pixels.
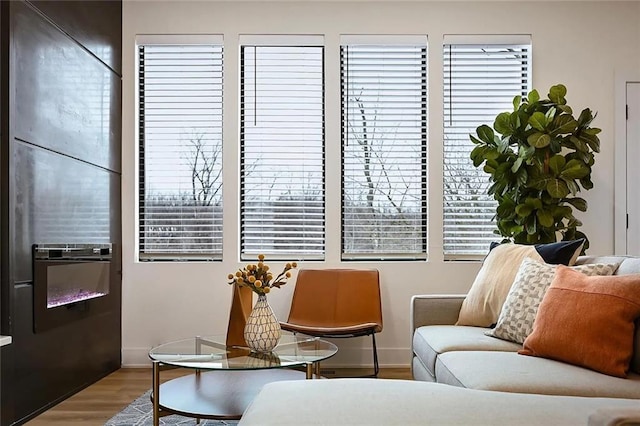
[
  {"x": 156, "y": 393},
  {"x": 310, "y": 370}
]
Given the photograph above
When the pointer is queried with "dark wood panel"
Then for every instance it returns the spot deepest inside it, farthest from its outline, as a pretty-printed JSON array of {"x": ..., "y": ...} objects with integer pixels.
[
  {"x": 65, "y": 99},
  {"x": 60, "y": 181},
  {"x": 91, "y": 23},
  {"x": 57, "y": 199},
  {"x": 5, "y": 294},
  {"x": 61, "y": 361}
]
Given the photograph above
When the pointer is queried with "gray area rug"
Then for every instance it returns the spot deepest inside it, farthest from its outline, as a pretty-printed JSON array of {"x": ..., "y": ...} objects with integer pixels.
[{"x": 140, "y": 413}]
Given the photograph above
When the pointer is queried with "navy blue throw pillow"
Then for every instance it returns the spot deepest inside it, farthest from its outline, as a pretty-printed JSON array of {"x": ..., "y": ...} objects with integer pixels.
[{"x": 559, "y": 253}]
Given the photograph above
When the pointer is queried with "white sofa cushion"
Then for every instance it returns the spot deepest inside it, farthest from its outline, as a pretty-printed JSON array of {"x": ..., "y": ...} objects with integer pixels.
[
  {"x": 376, "y": 402},
  {"x": 510, "y": 372},
  {"x": 433, "y": 340}
]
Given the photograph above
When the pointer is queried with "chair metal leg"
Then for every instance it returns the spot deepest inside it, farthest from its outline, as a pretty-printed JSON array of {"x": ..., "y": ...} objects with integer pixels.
[{"x": 376, "y": 367}]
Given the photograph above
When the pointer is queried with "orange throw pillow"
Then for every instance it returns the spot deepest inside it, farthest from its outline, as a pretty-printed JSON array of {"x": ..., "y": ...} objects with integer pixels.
[{"x": 587, "y": 321}]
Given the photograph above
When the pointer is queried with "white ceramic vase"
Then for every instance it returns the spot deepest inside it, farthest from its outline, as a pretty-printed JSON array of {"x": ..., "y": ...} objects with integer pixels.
[{"x": 262, "y": 332}]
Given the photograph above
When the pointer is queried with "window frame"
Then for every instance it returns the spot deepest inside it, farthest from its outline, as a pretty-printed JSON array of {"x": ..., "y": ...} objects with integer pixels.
[
  {"x": 519, "y": 40},
  {"x": 216, "y": 40},
  {"x": 411, "y": 41},
  {"x": 293, "y": 41}
]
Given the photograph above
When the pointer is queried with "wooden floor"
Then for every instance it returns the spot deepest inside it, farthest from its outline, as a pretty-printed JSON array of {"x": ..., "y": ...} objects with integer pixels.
[{"x": 96, "y": 404}]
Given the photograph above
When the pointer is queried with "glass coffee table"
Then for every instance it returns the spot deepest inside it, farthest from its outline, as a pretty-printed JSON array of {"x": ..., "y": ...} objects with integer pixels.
[{"x": 226, "y": 379}]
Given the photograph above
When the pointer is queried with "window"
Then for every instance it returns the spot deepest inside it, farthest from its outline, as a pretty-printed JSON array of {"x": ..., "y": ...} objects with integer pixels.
[
  {"x": 282, "y": 193},
  {"x": 480, "y": 81},
  {"x": 180, "y": 148},
  {"x": 384, "y": 147}
]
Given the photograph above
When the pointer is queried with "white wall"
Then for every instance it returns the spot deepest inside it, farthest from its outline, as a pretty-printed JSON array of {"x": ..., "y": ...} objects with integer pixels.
[{"x": 579, "y": 44}]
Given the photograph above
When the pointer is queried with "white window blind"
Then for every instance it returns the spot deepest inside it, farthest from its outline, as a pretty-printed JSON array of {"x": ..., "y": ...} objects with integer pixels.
[
  {"x": 480, "y": 81},
  {"x": 180, "y": 150},
  {"x": 384, "y": 149},
  {"x": 282, "y": 190}
]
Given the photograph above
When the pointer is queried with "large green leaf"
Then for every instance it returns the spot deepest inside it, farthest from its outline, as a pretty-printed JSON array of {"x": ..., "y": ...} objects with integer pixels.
[
  {"x": 516, "y": 165},
  {"x": 535, "y": 203},
  {"x": 565, "y": 108},
  {"x": 491, "y": 153},
  {"x": 591, "y": 140},
  {"x": 555, "y": 146},
  {"x": 550, "y": 114},
  {"x": 578, "y": 203},
  {"x": 574, "y": 169},
  {"x": 475, "y": 140},
  {"x": 522, "y": 177},
  {"x": 540, "y": 182},
  {"x": 539, "y": 140},
  {"x": 557, "y": 188},
  {"x": 506, "y": 209},
  {"x": 485, "y": 133},
  {"x": 538, "y": 121},
  {"x": 586, "y": 157},
  {"x": 586, "y": 182},
  {"x": 545, "y": 218},
  {"x": 557, "y": 94},
  {"x": 477, "y": 155},
  {"x": 573, "y": 222},
  {"x": 574, "y": 188},
  {"x": 523, "y": 210},
  {"x": 533, "y": 96},
  {"x": 579, "y": 143},
  {"x": 515, "y": 120},
  {"x": 502, "y": 123},
  {"x": 526, "y": 151},
  {"x": 503, "y": 145},
  {"x": 531, "y": 225},
  {"x": 585, "y": 118},
  {"x": 564, "y": 123},
  {"x": 517, "y": 100},
  {"x": 557, "y": 163}
]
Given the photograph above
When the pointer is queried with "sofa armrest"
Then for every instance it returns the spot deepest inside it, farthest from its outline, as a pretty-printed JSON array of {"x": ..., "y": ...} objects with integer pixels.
[{"x": 435, "y": 309}]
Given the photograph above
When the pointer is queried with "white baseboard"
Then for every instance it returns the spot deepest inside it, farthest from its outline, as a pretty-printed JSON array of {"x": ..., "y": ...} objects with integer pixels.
[{"x": 345, "y": 358}]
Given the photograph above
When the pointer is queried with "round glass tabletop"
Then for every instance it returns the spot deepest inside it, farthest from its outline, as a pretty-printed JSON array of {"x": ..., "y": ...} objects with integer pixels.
[{"x": 211, "y": 353}]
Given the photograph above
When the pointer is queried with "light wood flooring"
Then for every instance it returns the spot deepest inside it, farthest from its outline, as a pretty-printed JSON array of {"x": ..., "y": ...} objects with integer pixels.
[{"x": 99, "y": 402}]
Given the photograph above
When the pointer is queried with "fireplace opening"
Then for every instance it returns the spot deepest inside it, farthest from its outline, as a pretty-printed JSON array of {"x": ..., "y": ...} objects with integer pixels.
[{"x": 70, "y": 281}]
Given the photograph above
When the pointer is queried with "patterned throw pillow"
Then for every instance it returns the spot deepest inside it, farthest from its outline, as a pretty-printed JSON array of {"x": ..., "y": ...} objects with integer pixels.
[{"x": 532, "y": 280}]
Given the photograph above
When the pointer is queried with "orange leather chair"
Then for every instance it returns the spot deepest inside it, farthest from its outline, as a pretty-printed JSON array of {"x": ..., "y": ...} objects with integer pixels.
[{"x": 337, "y": 303}]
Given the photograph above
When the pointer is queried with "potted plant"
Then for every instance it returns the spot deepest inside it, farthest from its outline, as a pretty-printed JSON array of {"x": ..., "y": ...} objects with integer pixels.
[{"x": 538, "y": 158}]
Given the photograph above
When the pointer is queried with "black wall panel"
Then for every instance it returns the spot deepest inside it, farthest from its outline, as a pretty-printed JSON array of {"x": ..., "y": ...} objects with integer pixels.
[
  {"x": 61, "y": 144},
  {"x": 6, "y": 299},
  {"x": 94, "y": 24},
  {"x": 66, "y": 100}
]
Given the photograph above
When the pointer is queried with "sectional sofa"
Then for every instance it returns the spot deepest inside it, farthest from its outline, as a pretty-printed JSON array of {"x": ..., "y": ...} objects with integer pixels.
[
  {"x": 463, "y": 376},
  {"x": 466, "y": 357}
]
